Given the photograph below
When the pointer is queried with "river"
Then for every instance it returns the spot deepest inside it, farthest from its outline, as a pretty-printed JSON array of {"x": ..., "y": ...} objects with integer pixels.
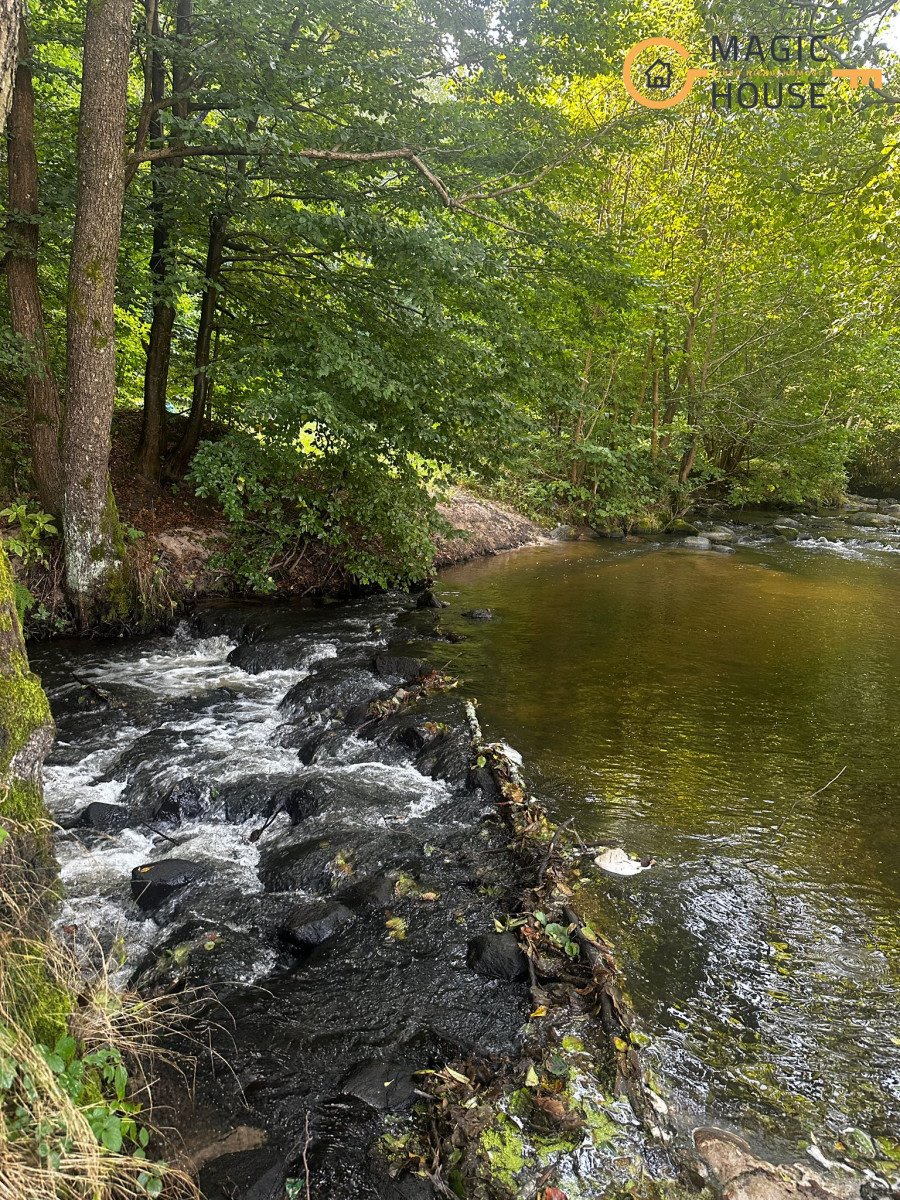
[
  {"x": 731, "y": 713},
  {"x": 695, "y": 706}
]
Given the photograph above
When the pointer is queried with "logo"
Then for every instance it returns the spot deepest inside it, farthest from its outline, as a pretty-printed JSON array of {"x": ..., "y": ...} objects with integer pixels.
[
  {"x": 659, "y": 75},
  {"x": 745, "y": 73}
]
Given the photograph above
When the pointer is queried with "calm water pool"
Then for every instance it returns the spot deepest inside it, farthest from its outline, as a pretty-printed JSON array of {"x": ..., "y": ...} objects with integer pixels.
[{"x": 690, "y": 705}]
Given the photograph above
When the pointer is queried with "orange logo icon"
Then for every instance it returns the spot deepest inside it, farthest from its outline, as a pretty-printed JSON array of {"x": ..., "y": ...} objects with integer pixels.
[{"x": 658, "y": 76}]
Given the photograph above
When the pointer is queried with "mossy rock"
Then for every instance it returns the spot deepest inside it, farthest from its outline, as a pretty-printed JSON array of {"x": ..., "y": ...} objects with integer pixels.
[{"x": 679, "y": 526}]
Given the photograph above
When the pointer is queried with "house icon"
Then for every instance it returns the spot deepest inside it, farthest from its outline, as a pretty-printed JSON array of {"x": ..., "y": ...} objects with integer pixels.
[{"x": 658, "y": 75}]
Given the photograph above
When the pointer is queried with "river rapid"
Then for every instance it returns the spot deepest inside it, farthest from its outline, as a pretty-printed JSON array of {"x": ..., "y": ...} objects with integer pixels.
[{"x": 684, "y": 701}]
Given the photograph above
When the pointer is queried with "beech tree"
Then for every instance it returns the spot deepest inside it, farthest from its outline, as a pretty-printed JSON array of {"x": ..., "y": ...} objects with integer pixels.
[
  {"x": 10, "y": 16},
  {"x": 26, "y": 309},
  {"x": 90, "y": 521}
]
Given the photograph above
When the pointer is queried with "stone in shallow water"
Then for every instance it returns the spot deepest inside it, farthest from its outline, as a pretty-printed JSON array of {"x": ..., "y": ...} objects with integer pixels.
[
  {"x": 497, "y": 956},
  {"x": 110, "y": 818},
  {"x": 479, "y": 614},
  {"x": 399, "y": 666},
  {"x": 697, "y": 543},
  {"x": 384, "y": 1086},
  {"x": 312, "y": 924},
  {"x": 153, "y": 883},
  {"x": 183, "y": 801}
]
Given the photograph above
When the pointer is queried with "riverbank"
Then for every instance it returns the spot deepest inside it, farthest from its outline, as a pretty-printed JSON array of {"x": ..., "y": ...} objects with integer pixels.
[{"x": 178, "y": 551}]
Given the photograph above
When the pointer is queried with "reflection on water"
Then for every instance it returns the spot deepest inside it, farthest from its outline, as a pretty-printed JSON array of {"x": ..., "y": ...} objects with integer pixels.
[{"x": 689, "y": 705}]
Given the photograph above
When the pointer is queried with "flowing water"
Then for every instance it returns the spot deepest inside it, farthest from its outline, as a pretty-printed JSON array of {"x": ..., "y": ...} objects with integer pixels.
[
  {"x": 693, "y": 706},
  {"x": 733, "y": 715}
]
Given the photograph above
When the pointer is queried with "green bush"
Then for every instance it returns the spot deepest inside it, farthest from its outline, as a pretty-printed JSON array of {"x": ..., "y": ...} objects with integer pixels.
[{"x": 375, "y": 514}]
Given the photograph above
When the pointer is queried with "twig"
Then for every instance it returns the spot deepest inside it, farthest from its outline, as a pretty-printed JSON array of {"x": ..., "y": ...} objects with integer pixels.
[{"x": 546, "y": 859}]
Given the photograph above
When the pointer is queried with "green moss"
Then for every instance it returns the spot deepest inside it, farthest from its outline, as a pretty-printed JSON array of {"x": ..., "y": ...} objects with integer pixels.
[
  {"x": 502, "y": 1148},
  {"x": 41, "y": 1007}
]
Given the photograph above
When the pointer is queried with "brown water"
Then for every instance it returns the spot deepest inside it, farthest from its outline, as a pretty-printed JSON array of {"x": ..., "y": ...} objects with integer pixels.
[{"x": 688, "y": 705}]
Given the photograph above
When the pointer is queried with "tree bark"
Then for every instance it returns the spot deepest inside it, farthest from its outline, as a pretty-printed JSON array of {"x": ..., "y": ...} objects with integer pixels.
[
  {"x": 215, "y": 255},
  {"x": 90, "y": 523},
  {"x": 152, "y": 442},
  {"x": 26, "y": 310},
  {"x": 10, "y": 19}
]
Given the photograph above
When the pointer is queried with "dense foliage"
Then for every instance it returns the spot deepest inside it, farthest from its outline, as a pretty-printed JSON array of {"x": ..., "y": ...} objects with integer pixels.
[{"x": 368, "y": 247}]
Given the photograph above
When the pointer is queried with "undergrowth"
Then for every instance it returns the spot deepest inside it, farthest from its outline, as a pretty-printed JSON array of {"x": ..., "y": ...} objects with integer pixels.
[{"x": 76, "y": 1120}]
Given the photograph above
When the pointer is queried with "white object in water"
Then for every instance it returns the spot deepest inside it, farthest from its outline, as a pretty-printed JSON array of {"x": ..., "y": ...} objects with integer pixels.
[{"x": 617, "y": 861}]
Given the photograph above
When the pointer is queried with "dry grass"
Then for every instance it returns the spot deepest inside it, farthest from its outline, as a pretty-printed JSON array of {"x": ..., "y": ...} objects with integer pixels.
[{"x": 53, "y": 1106}]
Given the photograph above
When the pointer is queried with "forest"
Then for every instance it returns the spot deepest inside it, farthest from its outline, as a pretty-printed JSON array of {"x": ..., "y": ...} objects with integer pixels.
[{"x": 366, "y": 252}]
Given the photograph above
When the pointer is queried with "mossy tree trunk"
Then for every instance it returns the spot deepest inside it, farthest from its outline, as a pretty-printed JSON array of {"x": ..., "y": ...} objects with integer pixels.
[
  {"x": 26, "y": 727},
  {"x": 25, "y": 308},
  {"x": 90, "y": 522}
]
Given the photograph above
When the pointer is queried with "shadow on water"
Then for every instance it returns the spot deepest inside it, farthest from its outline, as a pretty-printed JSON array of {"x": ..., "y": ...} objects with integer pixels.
[{"x": 688, "y": 705}]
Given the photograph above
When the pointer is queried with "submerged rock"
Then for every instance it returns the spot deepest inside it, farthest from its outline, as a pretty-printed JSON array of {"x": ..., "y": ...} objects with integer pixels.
[
  {"x": 479, "y": 614},
  {"x": 739, "y": 1175},
  {"x": 497, "y": 956},
  {"x": 154, "y": 883}
]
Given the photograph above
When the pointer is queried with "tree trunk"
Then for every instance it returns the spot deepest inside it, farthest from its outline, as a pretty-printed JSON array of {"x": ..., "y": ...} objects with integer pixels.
[
  {"x": 152, "y": 442},
  {"x": 184, "y": 451},
  {"x": 26, "y": 311},
  {"x": 10, "y": 18},
  {"x": 90, "y": 523}
]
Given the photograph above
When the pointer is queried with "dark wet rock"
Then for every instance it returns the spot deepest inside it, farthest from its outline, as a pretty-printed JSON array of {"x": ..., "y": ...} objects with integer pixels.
[
  {"x": 452, "y": 636},
  {"x": 721, "y": 548},
  {"x": 497, "y": 956},
  {"x": 478, "y": 614},
  {"x": 325, "y": 865},
  {"x": 258, "y": 1174},
  {"x": 312, "y": 924},
  {"x": 384, "y": 1086},
  {"x": 429, "y": 600},
  {"x": 332, "y": 688},
  {"x": 198, "y": 953},
  {"x": 298, "y": 803},
  {"x": 154, "y": 883},
  {"x": 786, "y": 523},
  {"x": 184, "y": 801},
  {"x": 447, "y": 757},
  {"x": 374, "y": 891},
  {"x": 249, "y": 798},
  {"x": 252, "y": 657},
  {"x": 399, "y": 666},
  {"x": 108, "y": 818}
]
